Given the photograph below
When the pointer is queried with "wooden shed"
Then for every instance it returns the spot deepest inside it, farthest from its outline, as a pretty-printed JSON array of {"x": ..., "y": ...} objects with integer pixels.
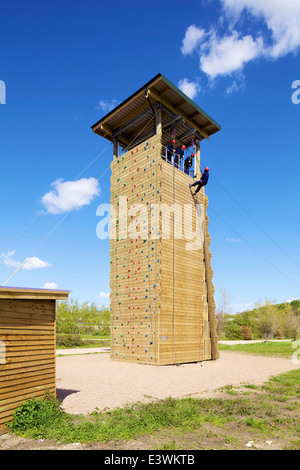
[
  {"x": 27, "y": 346},
  {"x": 162, "y": 295}
]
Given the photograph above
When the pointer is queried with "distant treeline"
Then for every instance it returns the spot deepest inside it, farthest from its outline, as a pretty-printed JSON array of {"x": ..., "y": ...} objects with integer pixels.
[
  {"x": 267, "y": 320},
  {"x": 74, "y": 318}
]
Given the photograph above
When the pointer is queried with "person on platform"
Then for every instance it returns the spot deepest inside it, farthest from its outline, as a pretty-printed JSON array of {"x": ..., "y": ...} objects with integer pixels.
[
  {"x": 188, "y": 163},
  {"x": 170, "y": 151},
  {"x": 179, "y": 155},
  {"x": 202, "y": 182}
]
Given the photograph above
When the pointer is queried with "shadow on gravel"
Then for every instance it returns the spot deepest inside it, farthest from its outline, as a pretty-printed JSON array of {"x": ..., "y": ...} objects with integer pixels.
[{"x": 62, "y": 393}]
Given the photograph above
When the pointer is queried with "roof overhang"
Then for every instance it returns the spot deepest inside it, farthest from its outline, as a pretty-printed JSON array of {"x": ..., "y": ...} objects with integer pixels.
[
  {"x": 134, "y": 119},
  {"x": 23, "y": 293}
]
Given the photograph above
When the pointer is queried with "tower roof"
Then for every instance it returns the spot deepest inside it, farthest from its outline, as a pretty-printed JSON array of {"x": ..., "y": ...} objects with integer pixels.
[{"x": 133, "y": 120}]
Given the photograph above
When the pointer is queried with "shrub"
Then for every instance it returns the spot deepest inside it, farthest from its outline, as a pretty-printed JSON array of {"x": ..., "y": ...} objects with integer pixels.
[
  {"x": 38, "y": 414},
  {"x": 246, "y": 332},
  {"x": 233, "y": 331},
  {"x": 68, "y": 341}
]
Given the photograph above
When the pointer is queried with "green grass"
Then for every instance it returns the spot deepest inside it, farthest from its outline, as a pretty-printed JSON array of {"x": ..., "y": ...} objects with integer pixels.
[
  {"x": 169, "y": 445},
  {"x": 271, "y": 410},
  {"x": 274, "y": 348},
  {"x": 121, "y": 423}
]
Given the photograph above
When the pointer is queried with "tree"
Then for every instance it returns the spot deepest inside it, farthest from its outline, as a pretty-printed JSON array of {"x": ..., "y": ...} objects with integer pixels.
[
  {"x": 88, "y": 318},
  {"x": 267, "y": 319},
  {"x": 104, "y": 321},
  {"x": 232, "y": 330},
  {"x": 295, "y": 304},
  {"x": 223, "y": 310},
  {"x": 72, "y": 318},
  {"x": 291, "y": 323},
  {"x": 67, "y": 317}
]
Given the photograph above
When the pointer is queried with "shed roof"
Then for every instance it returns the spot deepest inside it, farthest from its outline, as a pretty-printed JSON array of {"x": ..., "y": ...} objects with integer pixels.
[
  {"x": 128, "y": 121},
  {"x": 30, "y": 293}
]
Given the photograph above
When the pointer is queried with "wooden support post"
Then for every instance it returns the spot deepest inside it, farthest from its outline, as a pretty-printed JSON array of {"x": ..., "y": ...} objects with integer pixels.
[
  {"x": 158, "y": 121},
  {"x": 115, "y": 148},
  {"x": 175, "y": 110},
  {"x": 197, "y": 162},
  {"x": 210, "y": 295}
]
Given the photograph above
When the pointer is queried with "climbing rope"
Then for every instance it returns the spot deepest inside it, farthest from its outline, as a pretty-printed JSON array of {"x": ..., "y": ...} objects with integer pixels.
[
  {"x": 67, "y": 214},
  {"x": 53, "y": 229},
  {"x": 245, "y": 240},
  {"x": 173, "y": 319},
  {"x": 62, "y": 192}
]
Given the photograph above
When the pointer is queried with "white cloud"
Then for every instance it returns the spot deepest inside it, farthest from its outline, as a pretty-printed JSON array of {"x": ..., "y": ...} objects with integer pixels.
[
  {"x": 225, "y": 48},
  {"x": 237, "y": 85},
  {"x": 50, "y": 285},
  {"x": 70, "y": 195},
  {"x": 106, "y": 105},
  {"x": 32, "y": 262},
  {"x": 233, "y": 240},
  {"x": 192, "y": 38},
  {"x": 35, "y": 263},
  {"x": 282, "y": 18},
  {"x": 191, "y": 89},
  {"x": 229, "y": 54},
  {"x": 8, "y": 259},
  {"x": 104, "y": 295}
]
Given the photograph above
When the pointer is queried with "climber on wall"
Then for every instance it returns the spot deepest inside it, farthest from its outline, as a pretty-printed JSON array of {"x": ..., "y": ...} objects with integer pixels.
[{"x": 202, "y": 182}]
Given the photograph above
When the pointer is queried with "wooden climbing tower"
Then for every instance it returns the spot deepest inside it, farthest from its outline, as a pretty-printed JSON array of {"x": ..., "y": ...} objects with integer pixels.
[{"x": 162, "y": 295}]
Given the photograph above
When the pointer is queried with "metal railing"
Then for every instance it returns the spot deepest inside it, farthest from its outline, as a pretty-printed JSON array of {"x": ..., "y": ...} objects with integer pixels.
[{"x": 175, "y": 160}]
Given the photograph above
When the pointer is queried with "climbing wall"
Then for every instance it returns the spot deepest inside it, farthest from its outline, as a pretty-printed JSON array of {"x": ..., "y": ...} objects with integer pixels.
[
  {"x": 135, "y": 254},
  {"x": 162, "y": 309}
]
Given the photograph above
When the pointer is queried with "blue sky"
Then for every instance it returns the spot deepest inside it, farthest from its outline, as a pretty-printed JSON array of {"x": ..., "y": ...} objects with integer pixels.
[{"x": 65, "y": 64}]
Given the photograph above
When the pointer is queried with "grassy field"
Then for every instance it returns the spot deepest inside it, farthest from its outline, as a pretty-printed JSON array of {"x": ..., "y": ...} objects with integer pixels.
[
  {"x": 236, "y": 418},
  {"x": 271, "y": 348}
]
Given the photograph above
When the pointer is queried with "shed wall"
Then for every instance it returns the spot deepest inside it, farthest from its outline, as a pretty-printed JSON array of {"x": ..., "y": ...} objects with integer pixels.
[{"x": 27, "y": 357}]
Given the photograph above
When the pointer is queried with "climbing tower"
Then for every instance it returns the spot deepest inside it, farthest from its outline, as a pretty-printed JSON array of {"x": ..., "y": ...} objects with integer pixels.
[{"x": 162, "y": 295}]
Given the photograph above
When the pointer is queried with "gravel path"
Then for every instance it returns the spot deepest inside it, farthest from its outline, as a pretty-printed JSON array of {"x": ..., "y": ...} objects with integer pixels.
[{"x": 89, "y": 381}]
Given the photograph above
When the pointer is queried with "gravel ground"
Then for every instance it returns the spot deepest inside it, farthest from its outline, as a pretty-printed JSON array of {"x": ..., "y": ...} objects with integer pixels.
[{"x": 87, "y": 382}]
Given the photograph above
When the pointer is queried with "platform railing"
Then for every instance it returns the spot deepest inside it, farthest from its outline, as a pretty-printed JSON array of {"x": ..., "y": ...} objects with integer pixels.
[{"x": 175, "y": 160}]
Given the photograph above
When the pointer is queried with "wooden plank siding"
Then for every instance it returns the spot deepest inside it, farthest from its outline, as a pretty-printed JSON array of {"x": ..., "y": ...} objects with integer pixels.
[
  {"x": 184, "y": 314},
  {"x": 162, "y": 307},
  {"x": 135, "y": 254},
  {"x": 27, "y": 349}
]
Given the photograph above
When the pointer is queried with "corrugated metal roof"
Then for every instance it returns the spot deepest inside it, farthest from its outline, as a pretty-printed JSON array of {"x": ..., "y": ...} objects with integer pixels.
[{"x": 133, "y": 120}]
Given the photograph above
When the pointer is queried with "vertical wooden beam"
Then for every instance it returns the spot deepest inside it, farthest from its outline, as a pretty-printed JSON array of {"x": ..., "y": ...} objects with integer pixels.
[
  {"x": 210, "y": 294},
  {"x": 115, "y": 148},
  {"x": 197, "y": 162},
  {"x": 158, "y": 121}
]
